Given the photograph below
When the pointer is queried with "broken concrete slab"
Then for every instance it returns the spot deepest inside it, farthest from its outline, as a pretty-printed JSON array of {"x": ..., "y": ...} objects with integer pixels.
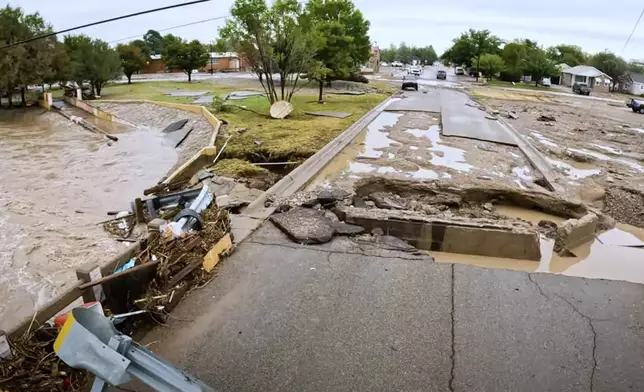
[
  {"x": 330, "y": 114},
  {"x": 237, "y": 196},
  {"x": 342, "y": 228},
  {"x": 483, "y": 237},
  {"x": 238, "y": 95},
  {"x": 478, "y": 192},
  {"x": 206, "y": 99},
  {"x": 176, "y": 138},
  {"x": 186, "y": 93},
  {"x": 575, "y": 232},
  {"x": 175, "y": 126},
  {"x": 304, "y": 225},
  {"x": 388, "y": 201}
]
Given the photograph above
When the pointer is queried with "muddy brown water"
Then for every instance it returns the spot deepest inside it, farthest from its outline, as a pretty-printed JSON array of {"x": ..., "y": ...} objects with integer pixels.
[
  {"x": 609, "y": 256},
  {"x": 57, "y": 181}
]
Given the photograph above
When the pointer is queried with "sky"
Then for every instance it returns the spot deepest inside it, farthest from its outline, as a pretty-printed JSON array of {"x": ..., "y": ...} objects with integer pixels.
[{"x": 594, "y": 26}]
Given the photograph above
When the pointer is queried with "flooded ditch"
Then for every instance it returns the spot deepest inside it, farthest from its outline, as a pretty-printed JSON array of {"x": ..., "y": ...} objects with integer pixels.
[{"x": 58, "y": 182}]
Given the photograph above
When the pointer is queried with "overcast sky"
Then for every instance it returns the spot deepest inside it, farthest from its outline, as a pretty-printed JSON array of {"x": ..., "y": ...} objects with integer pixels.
[{"x": 595, "y": 26}]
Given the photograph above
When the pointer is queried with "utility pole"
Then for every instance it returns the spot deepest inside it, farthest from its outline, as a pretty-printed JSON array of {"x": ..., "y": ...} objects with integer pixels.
[{"x": 211, "y": 52}]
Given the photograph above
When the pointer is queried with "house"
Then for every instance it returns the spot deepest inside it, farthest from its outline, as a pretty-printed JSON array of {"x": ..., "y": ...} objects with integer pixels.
[
  {"x": 594, "y": 78},
  {"x": 560, "y": 67},
  {"x": 632, "y": 82},
  {"x": 225, "y": 62},
  {"x": 156, "y": 65}
]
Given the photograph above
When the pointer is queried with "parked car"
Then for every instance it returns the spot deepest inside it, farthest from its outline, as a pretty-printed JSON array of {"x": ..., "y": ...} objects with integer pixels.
[
  {"x": 441, "y": 75},
  {"x": 472, "y": 72},
  {"x": 410, "y": 81},
  {"x": 637, "y": 106},
  {"x": 546, "y": 82},
  {"x": 396, "y": 64},
  {"x": 415, "y": 70},
  {"x": 459, "y": 71},
  {"x": 581, "y": 88},
  {"x": 384, "y": 64}
]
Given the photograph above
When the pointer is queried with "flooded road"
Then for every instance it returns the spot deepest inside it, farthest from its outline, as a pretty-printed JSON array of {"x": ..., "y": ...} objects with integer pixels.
[{"x": 57, "y": 182}]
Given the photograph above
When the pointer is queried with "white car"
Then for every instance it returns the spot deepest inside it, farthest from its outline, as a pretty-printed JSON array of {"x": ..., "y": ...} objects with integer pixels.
[
  {"x": 546, "y": 82},
  {"x": 415, "y": 70},
  {"x": 396, "y": 64}
]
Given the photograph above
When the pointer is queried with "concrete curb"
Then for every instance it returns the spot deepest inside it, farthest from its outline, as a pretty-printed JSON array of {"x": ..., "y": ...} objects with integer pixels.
[
  {"x": 535, "y": 158},
  {"x": 255, "y": 214}
]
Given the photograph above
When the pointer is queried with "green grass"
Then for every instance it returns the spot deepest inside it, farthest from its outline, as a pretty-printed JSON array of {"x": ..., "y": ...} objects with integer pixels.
[
  {"x": 299, "y": 135},
  {"x": 156, "y": 90},
  {"x": 238, "y": 168},
  {"x": 530, "y": 86}
]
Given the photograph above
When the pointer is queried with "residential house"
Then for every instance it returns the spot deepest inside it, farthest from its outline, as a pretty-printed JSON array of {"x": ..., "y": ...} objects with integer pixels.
[
  {"x": 594, "y": 78},
  {"x": 225, "y": 62},
  {"x": 560, "y": 67},
  {"x": 632, "y": 83}
]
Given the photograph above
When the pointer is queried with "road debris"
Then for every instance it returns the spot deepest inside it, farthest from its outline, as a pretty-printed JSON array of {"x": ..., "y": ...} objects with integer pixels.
[{"x": 546, "y": 118}]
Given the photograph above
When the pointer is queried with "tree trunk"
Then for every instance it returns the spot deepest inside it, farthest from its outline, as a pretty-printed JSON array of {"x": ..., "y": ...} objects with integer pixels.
[
  {"x": 478, "y": 60},
  {"x": 129, "y": 78},
  {"x": 189, "y": 76},
  {"x": 10, "y": 98},
  {"x": 22, "y": 97},
  {"x": 99, "y": 87},
  {"x": 320, "y": 99},
  {"x": 536, "y": 82}
]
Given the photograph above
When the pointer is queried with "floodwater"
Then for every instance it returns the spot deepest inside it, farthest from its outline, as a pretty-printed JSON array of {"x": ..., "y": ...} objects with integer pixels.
[
  {"x": 57, "y": 182},
  {"x": 617, "y": 254}
]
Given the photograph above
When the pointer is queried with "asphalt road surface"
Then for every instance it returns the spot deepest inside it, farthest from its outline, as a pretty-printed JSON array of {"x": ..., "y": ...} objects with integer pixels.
[
  {"x": 347, "y": 316},
  {"x": 353, "y": 317}
]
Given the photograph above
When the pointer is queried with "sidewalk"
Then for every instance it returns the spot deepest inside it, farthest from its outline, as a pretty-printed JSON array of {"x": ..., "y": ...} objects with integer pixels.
[{"x": 354, "y": 317}]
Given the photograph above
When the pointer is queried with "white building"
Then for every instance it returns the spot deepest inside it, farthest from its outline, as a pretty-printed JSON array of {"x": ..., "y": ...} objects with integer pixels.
[
  {"x": 632, "y": 83},
  {"x": 591, "y": 76}
]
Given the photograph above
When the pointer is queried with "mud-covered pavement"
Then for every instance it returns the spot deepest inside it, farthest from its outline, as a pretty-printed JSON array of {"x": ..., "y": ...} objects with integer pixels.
[{"x": 58, "y": 182}]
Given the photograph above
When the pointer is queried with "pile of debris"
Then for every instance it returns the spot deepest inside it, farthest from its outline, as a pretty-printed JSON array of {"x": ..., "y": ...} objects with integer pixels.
[{"x": 29, "y": 364}]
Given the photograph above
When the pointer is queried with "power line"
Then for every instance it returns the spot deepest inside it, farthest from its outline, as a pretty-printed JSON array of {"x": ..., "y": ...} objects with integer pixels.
[
  {"x": 104, "y": 21},
  {"x": 171, "y": 28},
  {"x": 632, "y": 32}
]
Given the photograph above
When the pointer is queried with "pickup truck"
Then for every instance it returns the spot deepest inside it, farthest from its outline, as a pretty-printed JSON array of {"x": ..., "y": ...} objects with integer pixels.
[
  {"x": 637, "y": 106},
  {"x": 581, "y": 88}
]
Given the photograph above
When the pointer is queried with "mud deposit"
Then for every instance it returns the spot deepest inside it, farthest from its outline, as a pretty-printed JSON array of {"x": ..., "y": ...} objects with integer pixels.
[
  {"x": 410, "y": 146},
  {"x": 58, "y": 181}
]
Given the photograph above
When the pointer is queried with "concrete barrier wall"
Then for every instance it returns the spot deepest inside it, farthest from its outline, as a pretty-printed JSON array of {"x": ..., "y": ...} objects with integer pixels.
[{"x": 95, "y": 111}]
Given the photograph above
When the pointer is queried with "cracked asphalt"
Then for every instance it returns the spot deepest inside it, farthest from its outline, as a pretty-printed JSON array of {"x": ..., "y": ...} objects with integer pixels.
[{"x": 354, "y": 317}]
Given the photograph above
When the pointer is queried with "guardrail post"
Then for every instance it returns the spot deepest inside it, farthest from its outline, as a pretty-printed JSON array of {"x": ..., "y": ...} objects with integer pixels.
[{"x": 86, "y": 274}]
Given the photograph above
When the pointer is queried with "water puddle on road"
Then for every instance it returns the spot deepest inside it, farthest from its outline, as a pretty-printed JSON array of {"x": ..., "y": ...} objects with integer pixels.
[
  {"x": 575, "y": 171},
  {"x": 613, "y": 255},
  {"x": 442, "y": 155},
  {"x": 633, "y": 165},
  {"x": 58, "y": 181},
  {"x": 376, "y": 138}
]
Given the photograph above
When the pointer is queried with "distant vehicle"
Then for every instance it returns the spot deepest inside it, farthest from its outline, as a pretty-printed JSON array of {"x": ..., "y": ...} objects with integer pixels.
[
  {"x": 396, "y": 64},
  {"x": 415, "y": 70},
  {"x": 637, "y": 106},
  {"x": 410, "y": 82},
  {"x": 472, "y": 72},
  {"x": 384, "y": 64},
  {"x": 545, "y": 82},
  {"x": 581, "y": 88},
  {"x": 459, "y": 71},
  {"x": 441, "y": 75}
]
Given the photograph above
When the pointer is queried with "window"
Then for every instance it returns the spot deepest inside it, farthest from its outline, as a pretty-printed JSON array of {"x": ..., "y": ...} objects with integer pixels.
[
  {"x": 580, "y": 79},
  {"x": 597, "y": 82},
  {"x": 214, "y": 60}
]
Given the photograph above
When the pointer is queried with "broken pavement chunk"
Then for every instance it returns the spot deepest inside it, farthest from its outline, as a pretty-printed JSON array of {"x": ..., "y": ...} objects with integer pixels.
[
  {"x": 304, "y": 225},
  {"x": 387, "y": 201},
  {"x": 175, "y": 126},
  {"x": 546, "y": 118}
]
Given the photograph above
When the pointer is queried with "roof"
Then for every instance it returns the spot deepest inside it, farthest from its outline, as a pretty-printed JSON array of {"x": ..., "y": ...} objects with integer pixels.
[
  {"x": 155, "y": 57},
  {"x": 563, "y": 66},
  {"x": 585, "y": 70},
  {"x": 636, "y": 77},
  {"x": 217, "y": 55}
]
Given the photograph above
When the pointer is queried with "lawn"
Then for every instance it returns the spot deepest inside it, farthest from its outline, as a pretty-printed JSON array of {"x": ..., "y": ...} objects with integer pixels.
[
  {"x": 157, "y": 91},
  {"x": 295, "y": 138}
]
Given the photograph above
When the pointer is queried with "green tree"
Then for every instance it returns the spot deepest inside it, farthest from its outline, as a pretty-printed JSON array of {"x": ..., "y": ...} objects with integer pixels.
[
  {"x": 92, "y": 61},
  {"x": 491, "y": 64},
  {"x": 538, "y": 65},
  {"x": 272, "y": 41},
  {"x": 610, "y": 64},
  {"x": 389, "y": 55},
  {"x": 60, "y": 70},
  {"x": 636, "y": 66},
  {"x": 482, "y": 42},
  {"x": 514, "y": 56},
  {"x": 153, "y": 41},
  {"x": 341, "y": 39},
  {"x": 221, "y": 45},
  {"x": 470, "y": 46},
  {"x": 132, "y": 59},
  {"x": 571, "y": 55},
  {"x": 145, "y": 49},
  {"x": 187, "y": 56},
  {"x": 404, "y": 53}
]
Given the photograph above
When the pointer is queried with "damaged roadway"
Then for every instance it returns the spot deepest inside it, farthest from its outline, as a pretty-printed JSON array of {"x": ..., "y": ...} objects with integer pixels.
[{"x": 349, "y": 316}]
